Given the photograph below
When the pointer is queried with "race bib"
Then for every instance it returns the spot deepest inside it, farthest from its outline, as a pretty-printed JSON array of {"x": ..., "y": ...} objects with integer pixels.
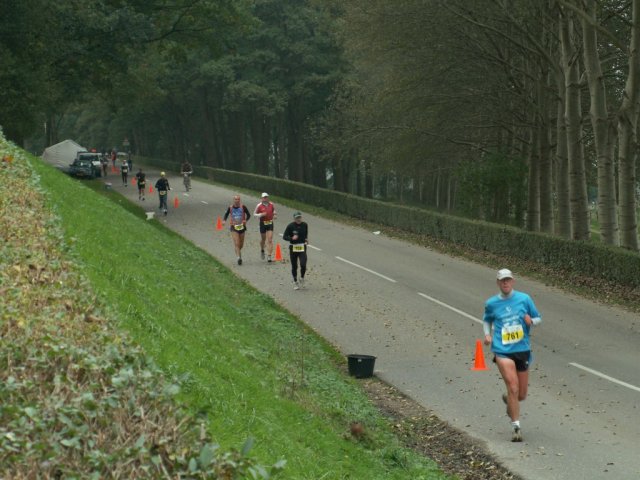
[
  {"x": 299, "y": 247},
  {"x": 239, "y": 227},
  {"x": 512, "y": 334},
  {"x": 163, "y": 192},
  {"x": 267, "y": 222}
]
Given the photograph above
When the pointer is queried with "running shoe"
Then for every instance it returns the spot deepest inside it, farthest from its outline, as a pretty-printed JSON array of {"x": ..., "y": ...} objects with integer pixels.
[
  {"x": 165, "y": 212},
  {"x": 296, "y": 285},
  {"x": 301, "y": 282},
  {"x": 239, "y": 261},
  {"x": 269, "y": 259},
  {"x": 262, "y": 254},
  {"x": 516, "y": 436}
]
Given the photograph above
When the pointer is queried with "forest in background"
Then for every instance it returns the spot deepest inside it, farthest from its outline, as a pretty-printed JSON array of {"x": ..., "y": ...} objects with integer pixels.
[{"x": 511, "y": 111}]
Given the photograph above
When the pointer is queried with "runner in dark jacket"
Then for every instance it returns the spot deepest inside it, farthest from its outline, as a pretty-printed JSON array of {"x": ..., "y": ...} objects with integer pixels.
[{"x": 162, "y": 186}]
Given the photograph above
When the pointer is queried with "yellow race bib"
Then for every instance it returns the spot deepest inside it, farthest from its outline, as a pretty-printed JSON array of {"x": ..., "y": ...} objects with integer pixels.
[{"x": 512, "y": 334}]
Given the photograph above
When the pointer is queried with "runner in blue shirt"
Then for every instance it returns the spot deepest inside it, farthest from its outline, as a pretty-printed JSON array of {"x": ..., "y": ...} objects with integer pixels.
[
  {"x": 238, "y": 215},
  {"x": 507, "y": 321}
]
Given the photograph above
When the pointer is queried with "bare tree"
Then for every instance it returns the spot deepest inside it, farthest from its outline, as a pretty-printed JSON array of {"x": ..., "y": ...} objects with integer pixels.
[{"x": 573, "y": 120}]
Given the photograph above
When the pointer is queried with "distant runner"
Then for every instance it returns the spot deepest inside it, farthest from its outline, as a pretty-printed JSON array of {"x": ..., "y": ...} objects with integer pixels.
[
  {"x": 162, "y": 186},
  {"x": 124, "y": 170},
  {"x": 297, "y": 234},
  {"x": 266, "y": 212},
  {"x": 511, "y": 314},
  {"x": 238, "y": 215},
  {"x": 186, "y": 170},
  {"x": 141, "y": 180}
]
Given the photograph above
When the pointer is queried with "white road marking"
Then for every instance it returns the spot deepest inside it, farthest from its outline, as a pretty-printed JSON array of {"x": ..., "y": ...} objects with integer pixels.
[
  {"x": 606, "y": 377},
  {"x": 202, "y": 201},
  {"x": 185, "y": 194},
  {"x": 367, "y": 270},
  {"x": 453, "y": 309}
]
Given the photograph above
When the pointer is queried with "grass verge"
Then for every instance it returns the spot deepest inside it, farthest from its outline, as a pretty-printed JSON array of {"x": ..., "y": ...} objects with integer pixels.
[
  {"x": 245, "y": 366},
  {"x": 77, "y": 400}
]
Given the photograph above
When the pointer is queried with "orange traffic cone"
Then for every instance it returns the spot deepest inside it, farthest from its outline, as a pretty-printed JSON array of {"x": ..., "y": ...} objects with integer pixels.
[
  {"x": 479, "y": 361},
  {"x": 150, "y": 188},
  {"x": 219, "y": 223},
  {"x": 133, "y": 181},
  {"x": 278, "y": 257},
  {"x": 176, "y": 202}
]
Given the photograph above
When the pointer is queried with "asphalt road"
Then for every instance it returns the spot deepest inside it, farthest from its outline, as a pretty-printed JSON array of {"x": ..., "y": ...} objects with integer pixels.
[{"x": 419, "y": 313}]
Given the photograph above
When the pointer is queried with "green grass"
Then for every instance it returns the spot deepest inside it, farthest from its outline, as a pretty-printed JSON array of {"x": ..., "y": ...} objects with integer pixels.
[{"x": 245, "y": 365}]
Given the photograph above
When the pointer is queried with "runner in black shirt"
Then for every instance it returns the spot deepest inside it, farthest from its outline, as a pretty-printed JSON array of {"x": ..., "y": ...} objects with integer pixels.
[
  {"x": 297, "y": 234},
  {"x": 141, "y": 180}
]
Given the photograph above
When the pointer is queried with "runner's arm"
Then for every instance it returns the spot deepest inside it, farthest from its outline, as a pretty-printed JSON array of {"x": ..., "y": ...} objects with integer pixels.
[
  {"x": 486, "y": 324},
  {"x": 286, "y": 236},
  {"x": 535, "y": 317}
]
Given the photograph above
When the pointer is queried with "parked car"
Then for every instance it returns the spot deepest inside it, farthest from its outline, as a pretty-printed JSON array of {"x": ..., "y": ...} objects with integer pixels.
[
  {"x": 94, "y": 158},
  {"x": 82, "y": 168}
]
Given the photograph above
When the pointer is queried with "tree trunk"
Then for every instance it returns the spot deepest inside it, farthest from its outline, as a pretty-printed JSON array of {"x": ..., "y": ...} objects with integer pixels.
[
  {"x": 573, "y": 119},
  {"x": 627, "y": 139},
  {"x": 238, "y": 144},
  {"x": 368, "y": 178},
  {"x": 600, "y": 123},
  {"x": 260, "y": 141},
  {"x": 533, "y": 206},
  {"x": 562, "y": 163},
  {"x": 544, "y": 146},
  {"x": 279, "y": 148},
  {"x": 213, "y": 154},
  {"x": 294, "y": 147}
]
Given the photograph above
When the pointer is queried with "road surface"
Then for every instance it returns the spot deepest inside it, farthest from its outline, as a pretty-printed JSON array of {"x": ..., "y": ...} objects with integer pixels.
[{"x": 419, "y": 312}]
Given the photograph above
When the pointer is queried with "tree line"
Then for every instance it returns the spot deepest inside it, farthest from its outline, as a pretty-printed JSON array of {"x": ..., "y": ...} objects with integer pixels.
[{"x": 511, "y": 111}]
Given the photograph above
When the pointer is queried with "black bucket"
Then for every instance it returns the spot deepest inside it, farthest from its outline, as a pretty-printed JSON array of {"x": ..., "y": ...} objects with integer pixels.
[{"x": 361, "y": 366}]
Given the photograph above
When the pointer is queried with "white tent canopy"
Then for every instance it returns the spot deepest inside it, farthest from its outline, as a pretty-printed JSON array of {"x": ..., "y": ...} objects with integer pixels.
[{"x": 63, "y": 153}]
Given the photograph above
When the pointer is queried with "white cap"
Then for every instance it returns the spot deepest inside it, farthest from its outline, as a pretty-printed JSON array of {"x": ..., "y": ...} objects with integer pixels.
[
  {"x": 264, "y": 194},
  {"x": 504, "y": 273}
]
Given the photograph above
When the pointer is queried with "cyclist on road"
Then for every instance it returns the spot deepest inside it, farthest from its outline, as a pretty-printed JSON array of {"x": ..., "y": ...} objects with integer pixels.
[
  {"x": 162, "y": 186},
  {"x": 141, "y": 180},
  {"x": 238, "y": 215},
  {"x": 297, "y": 234},
  {"x": 510, "y": 314},
  {"x": 266, "y": 212},
  {"x": 186, "y": 170}
]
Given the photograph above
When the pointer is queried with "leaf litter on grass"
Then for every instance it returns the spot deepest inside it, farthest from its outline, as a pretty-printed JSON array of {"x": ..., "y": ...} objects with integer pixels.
[{"x": 77, "y": 399}]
